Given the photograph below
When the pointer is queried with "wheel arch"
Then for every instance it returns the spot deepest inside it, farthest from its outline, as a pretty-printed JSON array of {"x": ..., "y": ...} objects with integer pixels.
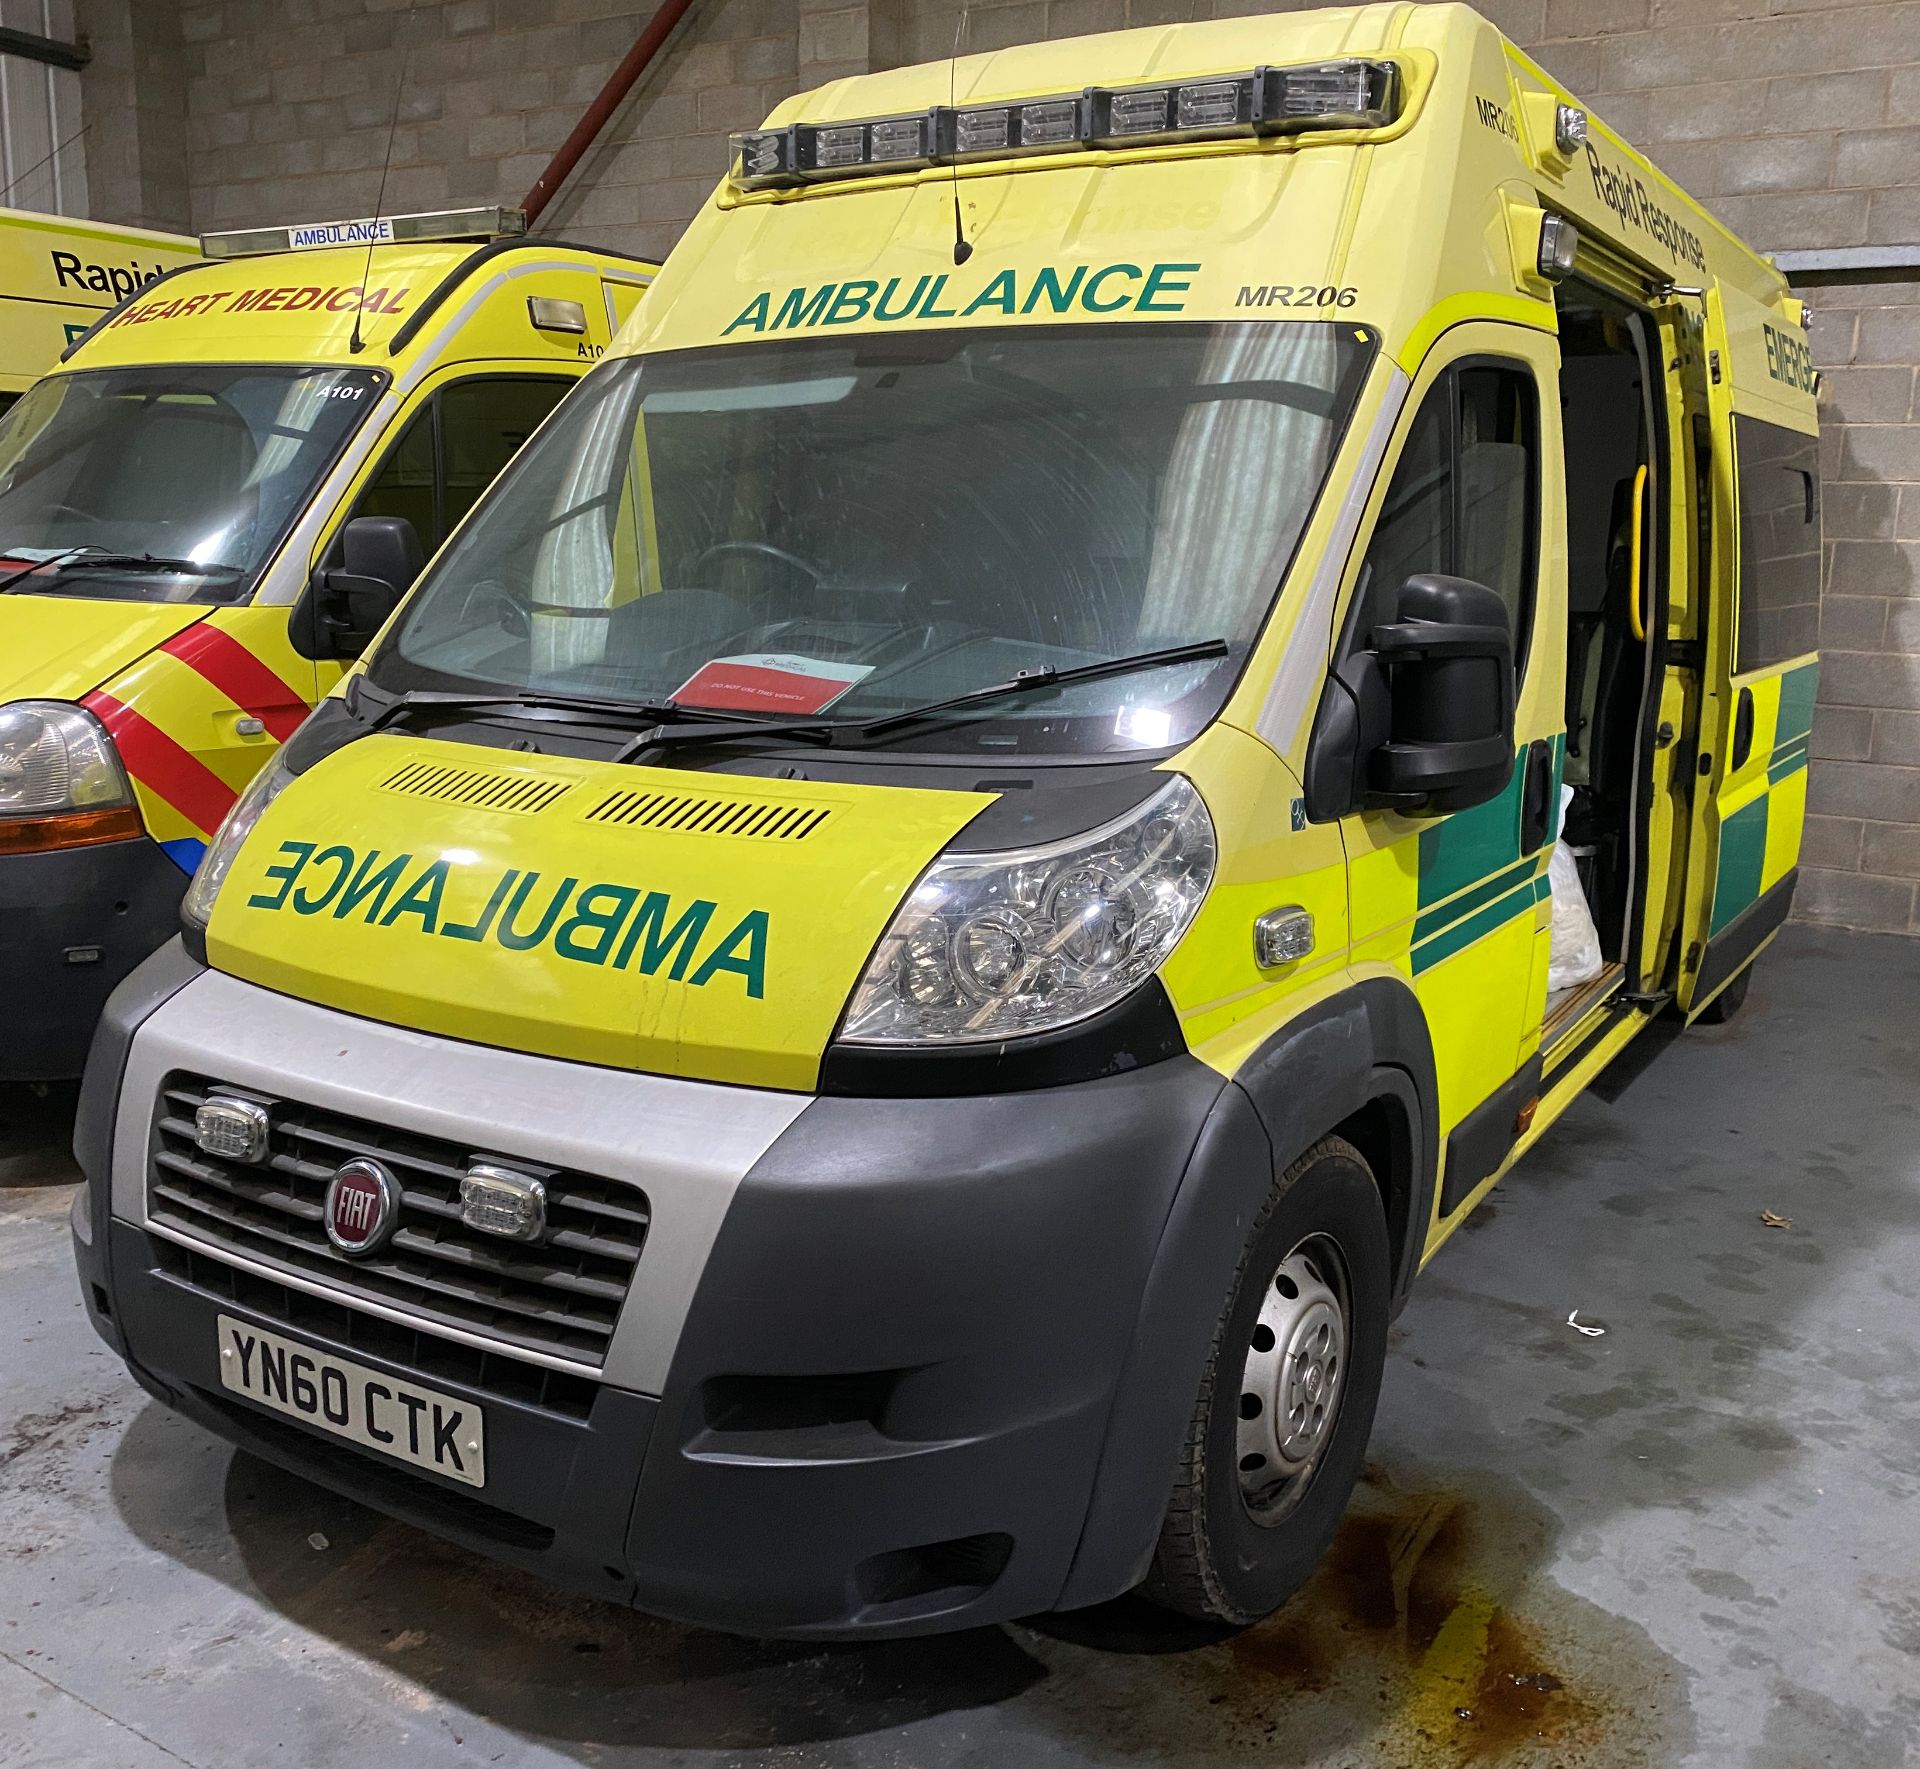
[{"x": 1358, "y": 1064}]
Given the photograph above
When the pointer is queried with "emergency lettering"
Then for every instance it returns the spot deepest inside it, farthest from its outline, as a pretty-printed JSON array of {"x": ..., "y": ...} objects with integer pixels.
[
  {"x": 612, "y": 926},
  {"x": 1628, "y": 197},
  {"x": 71, "y": 271},
  {"x": 1789, "y": 360},
  {"x": 295, "y": 298},
  {"x": 1105, "y": 288}
]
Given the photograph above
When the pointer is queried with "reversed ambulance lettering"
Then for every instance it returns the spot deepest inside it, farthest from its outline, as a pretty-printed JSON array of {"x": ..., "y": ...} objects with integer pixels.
[
  {"x": 1107, "y": 288},
  {"x": 621, "y": 925}
]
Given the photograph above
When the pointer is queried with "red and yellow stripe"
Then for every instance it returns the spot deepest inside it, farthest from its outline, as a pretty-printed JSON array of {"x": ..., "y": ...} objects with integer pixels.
[
  {"x": 175, "y": 717},
  {"x": 221, "y": 660}
]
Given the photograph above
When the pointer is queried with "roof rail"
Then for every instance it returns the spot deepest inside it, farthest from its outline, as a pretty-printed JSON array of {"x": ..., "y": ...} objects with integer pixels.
[{"x": 437, "y": 297}]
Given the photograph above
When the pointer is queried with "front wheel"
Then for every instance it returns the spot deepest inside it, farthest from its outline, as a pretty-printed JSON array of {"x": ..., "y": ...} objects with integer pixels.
[{"x": 1280, "y": 1427}]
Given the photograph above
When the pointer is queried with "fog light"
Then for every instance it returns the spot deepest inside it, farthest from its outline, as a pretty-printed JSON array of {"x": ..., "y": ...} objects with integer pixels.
[
  {"x": 232, "y": 1129},
  {"x": 498, "y": 1201}
]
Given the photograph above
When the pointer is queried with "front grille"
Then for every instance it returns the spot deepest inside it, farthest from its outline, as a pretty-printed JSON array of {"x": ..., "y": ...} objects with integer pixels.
[
  {"x": 496, "y": 1374},
  {"x": 561, "y": 1297}
]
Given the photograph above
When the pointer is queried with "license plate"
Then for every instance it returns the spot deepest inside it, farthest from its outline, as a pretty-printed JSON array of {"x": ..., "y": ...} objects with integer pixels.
[{"x": 380, "y": 1413}]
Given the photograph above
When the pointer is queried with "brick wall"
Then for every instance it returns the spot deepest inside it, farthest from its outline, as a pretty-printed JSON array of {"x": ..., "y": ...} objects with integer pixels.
[
  {"x": 1796, "y": 120},
  {"x": 1862, "y": 853},
  {"x": 133, "y": 110}
]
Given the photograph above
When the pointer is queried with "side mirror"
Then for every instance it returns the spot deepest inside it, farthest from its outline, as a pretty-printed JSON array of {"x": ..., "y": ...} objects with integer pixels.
[
  {"x": 1450, "y": 661},
  {"x": 343, "y": 606},
  {"x": 1423, "y": 720}
]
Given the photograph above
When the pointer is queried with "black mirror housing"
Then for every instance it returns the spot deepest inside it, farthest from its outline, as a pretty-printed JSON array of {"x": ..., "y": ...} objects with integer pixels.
[
  {"x": 1450, "y": 659},
  {"x": 344, "y": 605},
  {"x": 1423, "y": 721}
]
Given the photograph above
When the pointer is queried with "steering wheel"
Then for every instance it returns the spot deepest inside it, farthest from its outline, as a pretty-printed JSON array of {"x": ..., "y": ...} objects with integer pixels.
[
  {"x": 511, "y": 616},
  {"x": 766, "y": 550}
]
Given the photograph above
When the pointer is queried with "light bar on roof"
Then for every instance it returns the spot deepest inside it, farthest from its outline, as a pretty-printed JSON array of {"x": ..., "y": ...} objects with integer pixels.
[
  {"x": 1352, "y": 94},
  {"x": 438, "y": 224}
]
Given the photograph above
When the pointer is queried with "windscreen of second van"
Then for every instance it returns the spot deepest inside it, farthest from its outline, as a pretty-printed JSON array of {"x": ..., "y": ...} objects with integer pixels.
[
  {"x": 166, "y": 484},
  {"x": 851, "y": 526}
]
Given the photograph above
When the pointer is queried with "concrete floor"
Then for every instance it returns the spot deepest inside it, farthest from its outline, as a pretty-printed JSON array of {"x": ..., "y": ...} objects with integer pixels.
[{"x": 1691, "y": 1540}]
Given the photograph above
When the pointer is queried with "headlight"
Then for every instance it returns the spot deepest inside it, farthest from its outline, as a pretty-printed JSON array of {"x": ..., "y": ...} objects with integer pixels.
[
  {"x": 992, "y": 946},
  {"x": 197, "y": 905},
  {"x": 54, "y": 758}
]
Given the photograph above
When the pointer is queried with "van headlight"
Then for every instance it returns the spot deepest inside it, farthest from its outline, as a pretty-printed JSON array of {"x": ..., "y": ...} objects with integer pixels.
[
  {"x": 196, "y": 907},
  {"x": 993, "y": 946},
  {"x": 55, "y": 757}
]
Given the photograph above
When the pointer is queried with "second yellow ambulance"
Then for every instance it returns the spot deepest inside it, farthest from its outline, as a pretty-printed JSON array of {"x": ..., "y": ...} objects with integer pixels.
[{"x": 205, "y": 512}]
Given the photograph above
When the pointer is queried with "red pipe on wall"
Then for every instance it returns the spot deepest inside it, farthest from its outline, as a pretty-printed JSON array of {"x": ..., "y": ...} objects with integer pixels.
[{"x": 645, "y": 47}]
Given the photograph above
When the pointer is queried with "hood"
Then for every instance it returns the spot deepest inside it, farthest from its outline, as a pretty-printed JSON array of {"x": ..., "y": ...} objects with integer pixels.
[
  {"x": 62, "y": 647},
  {"x": 688, "y": 924}
]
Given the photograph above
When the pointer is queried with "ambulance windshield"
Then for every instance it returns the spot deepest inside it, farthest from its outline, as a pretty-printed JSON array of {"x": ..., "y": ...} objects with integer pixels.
[
  {"x": 867, "y": 523},
  {"x": 166, "y": 484}
]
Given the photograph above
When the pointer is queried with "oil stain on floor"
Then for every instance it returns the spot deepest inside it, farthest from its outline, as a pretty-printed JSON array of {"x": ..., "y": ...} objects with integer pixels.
[{"x": 1428, "y": 1636}]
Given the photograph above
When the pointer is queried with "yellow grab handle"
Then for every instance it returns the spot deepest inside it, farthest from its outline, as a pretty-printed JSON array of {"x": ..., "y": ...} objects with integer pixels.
[{"x": 1635, "y": 618}]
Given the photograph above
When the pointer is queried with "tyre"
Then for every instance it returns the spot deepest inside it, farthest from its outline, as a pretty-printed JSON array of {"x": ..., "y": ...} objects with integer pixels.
[
  {"x": 1279, "y": 1429},
  {"x": 1728, "y": 1002}
]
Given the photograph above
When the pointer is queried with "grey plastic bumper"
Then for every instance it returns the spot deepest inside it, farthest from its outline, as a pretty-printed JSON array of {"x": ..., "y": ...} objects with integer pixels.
[{"x": 887, "y": 1366}]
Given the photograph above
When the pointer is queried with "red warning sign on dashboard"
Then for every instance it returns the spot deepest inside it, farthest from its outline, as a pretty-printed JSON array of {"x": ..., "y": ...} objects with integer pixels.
[{"x": 770, "y": 682}]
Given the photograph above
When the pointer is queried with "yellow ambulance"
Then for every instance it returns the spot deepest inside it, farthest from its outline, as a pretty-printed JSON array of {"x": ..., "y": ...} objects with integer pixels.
[
  {"x": 861, "y": 1017},
  {"x": 210, "y": 506},
  {"x": 58, "y": 275}
]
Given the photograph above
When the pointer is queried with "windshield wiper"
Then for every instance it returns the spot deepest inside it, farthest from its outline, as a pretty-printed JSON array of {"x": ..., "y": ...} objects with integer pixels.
[
  {"x": 50, "y": 564},
  {"x": 661, "y": 724},
  {"x": 587, "y": 709},
  {"x": 91, "y": 559},
  {"x": 104, "y": 561},
  {"x": 830, "y": 731}
]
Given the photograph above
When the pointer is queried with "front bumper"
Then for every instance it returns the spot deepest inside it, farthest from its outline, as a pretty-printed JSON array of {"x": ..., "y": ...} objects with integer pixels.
[
  {"x": 72, "y": 924},
  {"x": 880, "y": 1370}
]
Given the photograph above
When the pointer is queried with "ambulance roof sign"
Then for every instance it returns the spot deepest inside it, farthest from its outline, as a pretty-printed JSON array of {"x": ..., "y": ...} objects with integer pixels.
[{"x": 439, "y": 224}]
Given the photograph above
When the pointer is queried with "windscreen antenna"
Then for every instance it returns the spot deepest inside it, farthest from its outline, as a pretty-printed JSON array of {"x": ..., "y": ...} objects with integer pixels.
[
  {"x": 962, "y": 247},
  {"x": 356, "y": 343}
]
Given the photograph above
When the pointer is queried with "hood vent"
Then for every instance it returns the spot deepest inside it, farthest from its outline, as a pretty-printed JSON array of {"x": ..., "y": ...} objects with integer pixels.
[
  {"x": 697, "y": 814},
  {"x": 483, "y": 790}
]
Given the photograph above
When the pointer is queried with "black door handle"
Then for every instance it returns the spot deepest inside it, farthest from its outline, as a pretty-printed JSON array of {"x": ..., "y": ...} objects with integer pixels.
[
  {"x": 1534, "y": 806},
  {"x": 1743, "y": 729}
]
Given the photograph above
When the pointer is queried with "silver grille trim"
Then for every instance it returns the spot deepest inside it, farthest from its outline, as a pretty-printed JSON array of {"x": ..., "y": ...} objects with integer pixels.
[
  {"x": 561, "y": 1298},
  {"x": 686, "y": 1145}
]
